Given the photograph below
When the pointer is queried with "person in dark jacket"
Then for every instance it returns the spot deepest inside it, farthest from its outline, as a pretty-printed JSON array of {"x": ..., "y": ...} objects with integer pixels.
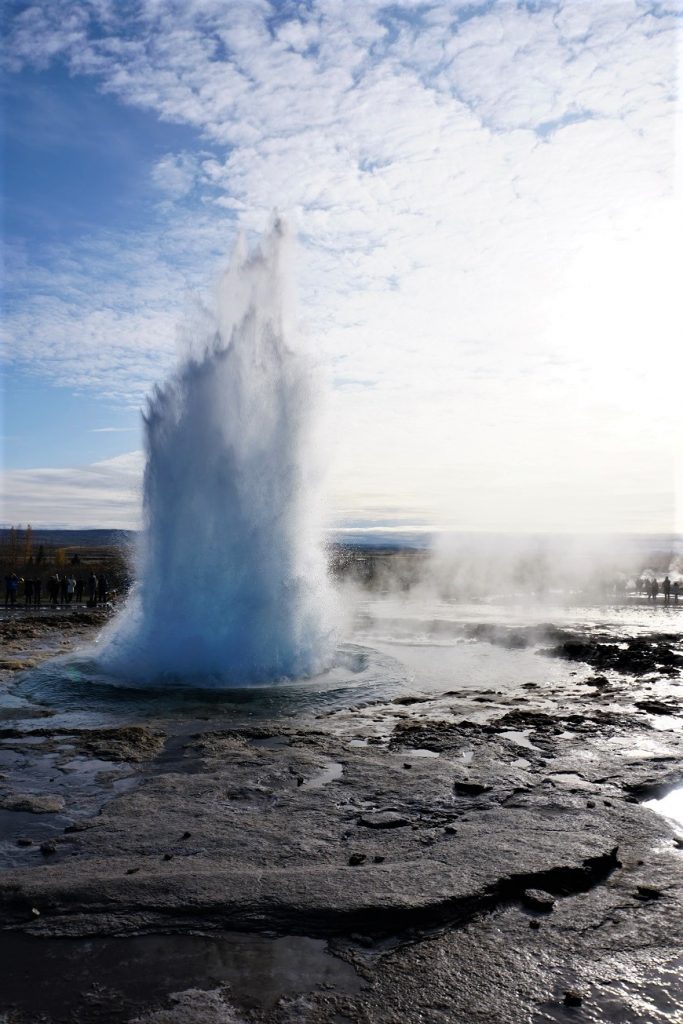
[
  {"x": 11, "y": 589},
  {"x": 102, "y": 588},
  {"x": 28, "y": 593},
  {"x": 37, "y": 587}
]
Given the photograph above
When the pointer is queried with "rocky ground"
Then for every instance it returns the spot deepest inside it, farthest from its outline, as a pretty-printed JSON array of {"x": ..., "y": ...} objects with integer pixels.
[{"x": 434, "y": 858}]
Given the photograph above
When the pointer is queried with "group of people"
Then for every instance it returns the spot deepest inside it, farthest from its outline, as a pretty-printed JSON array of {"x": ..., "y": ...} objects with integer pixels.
[
  {"x": 651, "y": 588},
  {"x": 61, "y": 590}
]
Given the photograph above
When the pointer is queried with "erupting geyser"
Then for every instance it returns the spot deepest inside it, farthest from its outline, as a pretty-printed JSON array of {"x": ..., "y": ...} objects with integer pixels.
[{"x": 232, "y": 582}]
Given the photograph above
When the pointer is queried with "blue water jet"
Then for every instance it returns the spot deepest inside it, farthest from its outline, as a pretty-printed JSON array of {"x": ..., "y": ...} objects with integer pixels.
[{"x": 232, "y": 584}]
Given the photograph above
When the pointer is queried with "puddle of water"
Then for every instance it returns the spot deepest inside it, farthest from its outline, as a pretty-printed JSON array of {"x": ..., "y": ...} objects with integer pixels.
[
  {"x": 521, "y": 738},
  {"x": 669, "y": 806},
  {"x": 329, "y": 773},
  {"x": 569, "y": 779},
  {"x": 358, "y": 743},
  {"x": 108, "y": 980},
  {"x": 421, "y": 752}
]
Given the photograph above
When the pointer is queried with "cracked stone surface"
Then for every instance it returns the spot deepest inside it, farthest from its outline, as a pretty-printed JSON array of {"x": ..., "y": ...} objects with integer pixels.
[{"x": 440, "y": 856}]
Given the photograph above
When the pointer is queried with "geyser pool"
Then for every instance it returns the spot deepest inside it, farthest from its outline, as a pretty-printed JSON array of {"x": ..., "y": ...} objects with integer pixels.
[{"x": 232, "y": 582}]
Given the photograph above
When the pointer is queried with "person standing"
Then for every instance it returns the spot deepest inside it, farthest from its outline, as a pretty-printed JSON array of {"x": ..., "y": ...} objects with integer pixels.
[
  {"x": 92, "y": 589},
  {"x": 70, "y": 589},
  {"x": 655, "y": 589},
  {"x": 676, "y": 591},
  {"x": 37, "y": 587},
  {"x": 62, "y": 590},
  {"x": 667, "y": 590},
  {"x": 28, "y": 593},
  {"x": 79, "y": 590},
  {"x": 102, "y": 588}
]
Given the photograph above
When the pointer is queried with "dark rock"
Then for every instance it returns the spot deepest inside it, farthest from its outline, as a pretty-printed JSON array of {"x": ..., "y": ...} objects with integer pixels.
[
  {"x": 383, "y": 819},
  {"x": 534, "y": 923},
  {"x": 572, "y": 998},
  {"x": 378, "y": 860},
  {"x": 48, "y": 847},
  {"x": 640, "y": 655},
  {"x": 538, "y": 899},
  {"x": 186, "y": 835},
  {"x": 590, "y": 804},
  {"x": 33, "y": 803},
  {"x": 657, "y": 707},
  {"x": 132, "y": 871},
  {"x": 646, "y": 893},
  {"x": 168, "y": 856},
  {"x": 470, "y": 788},
  {"x": 357, "y": 858},
  {"x": 23, "y": 841}
]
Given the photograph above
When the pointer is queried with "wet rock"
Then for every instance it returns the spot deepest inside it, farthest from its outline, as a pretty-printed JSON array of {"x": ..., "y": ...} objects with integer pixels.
[
  {"x": 640, "y": 656},
  {"x": 383, "y": 819},
  {"x": 33, "y": 803},
  {"x": 22, "y": 841},
  {"x": 357, "y": 858},
  {"x": 134, "y": 743},
  {"x": 657, "y": 707},
  {"x": 572, "y": 998},
  {"x": 48, "y": 847},
  {"x": 538, "y": 899}
]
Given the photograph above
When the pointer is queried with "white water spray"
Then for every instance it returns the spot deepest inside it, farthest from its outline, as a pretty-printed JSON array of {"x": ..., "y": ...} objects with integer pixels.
[{"x": 232, "y": 581}]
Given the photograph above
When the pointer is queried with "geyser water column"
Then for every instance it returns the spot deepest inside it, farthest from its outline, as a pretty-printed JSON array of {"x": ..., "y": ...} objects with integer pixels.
[{"x": 232, "y": 583}]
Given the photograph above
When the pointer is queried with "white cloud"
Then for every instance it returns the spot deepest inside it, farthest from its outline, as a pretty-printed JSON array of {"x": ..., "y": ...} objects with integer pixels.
[
  {"x": 453, "y": 173},
  {"x": 102, "y": 495},
  {"x": 175, "y": 174}
]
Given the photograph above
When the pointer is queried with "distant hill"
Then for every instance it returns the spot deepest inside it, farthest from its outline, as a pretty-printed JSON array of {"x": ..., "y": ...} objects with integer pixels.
[{"x": 76, "y": 538}]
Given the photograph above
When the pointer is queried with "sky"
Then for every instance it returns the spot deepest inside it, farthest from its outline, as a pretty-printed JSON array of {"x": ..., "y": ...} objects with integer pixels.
[{"x": 487, "y": 197}]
